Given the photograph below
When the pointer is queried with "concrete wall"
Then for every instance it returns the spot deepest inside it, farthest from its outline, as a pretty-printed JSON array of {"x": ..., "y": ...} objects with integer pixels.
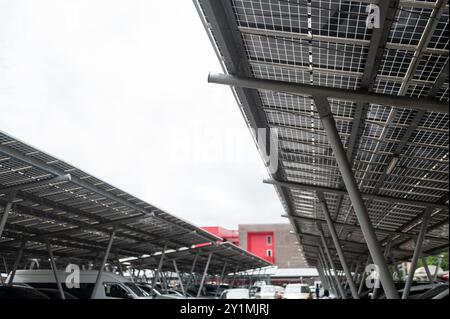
[{"x": 286, "y": 251}]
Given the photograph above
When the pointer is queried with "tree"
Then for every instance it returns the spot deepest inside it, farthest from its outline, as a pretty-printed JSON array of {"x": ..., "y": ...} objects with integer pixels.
[{"x": 434, "y": 260}]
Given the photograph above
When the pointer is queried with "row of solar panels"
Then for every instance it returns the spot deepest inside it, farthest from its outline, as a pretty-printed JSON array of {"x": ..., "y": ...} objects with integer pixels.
[
  {"x": 399, "y": 156},
  {"x": 75, "y": 212}
]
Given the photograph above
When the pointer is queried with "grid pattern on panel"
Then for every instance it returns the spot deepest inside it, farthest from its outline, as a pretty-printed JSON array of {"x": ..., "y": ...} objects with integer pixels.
[
  {"x": 342, "y": 19},
  {"x": 409, "y": 24},
  {"x": 329, "y": 48}
]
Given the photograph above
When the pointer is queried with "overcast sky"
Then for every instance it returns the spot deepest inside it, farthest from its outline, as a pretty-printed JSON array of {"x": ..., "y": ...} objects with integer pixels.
[{"x": 118, "y": 89}]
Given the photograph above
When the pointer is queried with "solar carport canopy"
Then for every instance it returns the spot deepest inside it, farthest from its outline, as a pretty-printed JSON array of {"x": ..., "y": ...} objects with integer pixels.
[
  {"x": 223, "y": 254},
  {"x": 45, "y": 199},
  {"x": 273, "y": 51}
]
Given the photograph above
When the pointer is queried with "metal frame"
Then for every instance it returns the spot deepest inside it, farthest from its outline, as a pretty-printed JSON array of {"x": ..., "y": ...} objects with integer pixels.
[{"x": 382, "y": 117}]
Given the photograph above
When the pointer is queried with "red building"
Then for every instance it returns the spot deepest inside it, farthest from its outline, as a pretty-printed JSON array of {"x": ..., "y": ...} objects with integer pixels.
[
  {"x": 228, "y": 235},
  {"x": 272, "y": 242},
  {"x": 261, "y": 244}
]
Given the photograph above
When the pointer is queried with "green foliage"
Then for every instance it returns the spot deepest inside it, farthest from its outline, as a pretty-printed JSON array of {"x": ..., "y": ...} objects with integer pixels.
[{"x": 434, "y": 260}]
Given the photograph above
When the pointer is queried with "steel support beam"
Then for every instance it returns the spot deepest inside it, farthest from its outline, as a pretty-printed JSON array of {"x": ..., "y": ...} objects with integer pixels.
[
  {"x": 325, "y": 273},
  {"x": 393, "y": 200},
  {"x": 437, "y": 268},
  {"x": 331, "y": 276},
  {"x": 17, "y": 262},
  {"x": 323, "y": 276},
  {"x": 326, "y": 117},
  {"x": 55, "y": 270},
  {"x": 234, "y": 276},
  {"x": 6, "y": 211},
  {"x": 102, "y": 266},
  {"x": 180, "y": 279},
  {"x": 337, "y": 244},
  {"x": 363, "y": 276},
  {"x": 205, "y": 272},
  {"x": 191, "y": 274},
  {"x": 333, "y": 266},
  {"x": 427, "y": 270},
  {"x": 377, "y": 230},
  {"x": 220, "y": 278},
  {"x": 417, "y": 253},
  {"x": 324, "y": 92},
  {"x": 160, "y": 264}
]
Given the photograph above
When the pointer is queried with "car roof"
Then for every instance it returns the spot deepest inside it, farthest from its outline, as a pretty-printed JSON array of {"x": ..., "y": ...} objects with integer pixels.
[{"x": 87, "y": 276}]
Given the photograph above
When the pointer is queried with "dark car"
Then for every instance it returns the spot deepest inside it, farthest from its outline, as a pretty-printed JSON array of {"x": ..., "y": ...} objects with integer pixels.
[
  {"x": 20, "y": 292},
  {"x": 54, "y": 293}
]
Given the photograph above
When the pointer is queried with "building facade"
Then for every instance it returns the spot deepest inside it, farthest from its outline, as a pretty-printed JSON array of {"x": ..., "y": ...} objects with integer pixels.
[{"x": 273, "y": 242}]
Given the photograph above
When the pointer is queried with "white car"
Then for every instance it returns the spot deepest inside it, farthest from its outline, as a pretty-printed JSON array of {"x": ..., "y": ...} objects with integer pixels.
[
  {"x": 237, "y": 293},
  {"x": 112, "y": 286},
  {"x": 265, "y": 292},
  {"x": 297, "y": 291}
]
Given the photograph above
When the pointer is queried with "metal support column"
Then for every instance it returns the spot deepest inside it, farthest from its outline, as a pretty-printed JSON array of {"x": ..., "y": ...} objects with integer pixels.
[
  {"x": 191, "y": 274},
  {"x": 234, "y": 276},
  {"x": 17, "y": 262},
  {"x": 323, "y": 276},
  {"x": 363, "y": 276},
  {"x": 102, "y": 266},
  {"x": 221, "y": 278},
  {"x": 179, "y": 277},
  {"x": 327, "y": 119},
  {"x": 205, "y": 272},
  {"x": 330, "y": 258},
  {"x": 160, "y": 264},
  {"x": 55, "y": 270},
  {"x": 417, "y": 252},
  {"x": 437, "y": 268},
  {"x": 337, "y": 245},
  {"x": 356, "y": 275},
  {"x": 6, "y": 210},
  {"x": 427, "y": 269},
  {"x": 332, "y": 266},
  {"x": 119, "y": 266},
  {"x": 327, "y": 273}
]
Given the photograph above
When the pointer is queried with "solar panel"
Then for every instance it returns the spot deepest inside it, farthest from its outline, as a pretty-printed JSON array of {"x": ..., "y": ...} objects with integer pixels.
[{"x": 328, "y": 44}]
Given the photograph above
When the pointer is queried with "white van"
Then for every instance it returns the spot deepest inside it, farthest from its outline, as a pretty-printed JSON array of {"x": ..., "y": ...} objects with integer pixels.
[
  {"x": 235, "y": 293},
  {"x": 297, "y": 291},
  {"x": 264, "y": 292},
  {"x": 112, "y": 286}
]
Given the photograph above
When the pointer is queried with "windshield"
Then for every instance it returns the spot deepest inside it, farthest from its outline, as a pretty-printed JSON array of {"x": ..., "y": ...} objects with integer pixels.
[
  {"x": 136, "y": 290},
  {"x": 305, "y": 289}
]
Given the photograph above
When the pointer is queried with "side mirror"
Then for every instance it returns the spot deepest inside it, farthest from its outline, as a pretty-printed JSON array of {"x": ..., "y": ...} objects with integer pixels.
[{"x": 130, "y": 296}]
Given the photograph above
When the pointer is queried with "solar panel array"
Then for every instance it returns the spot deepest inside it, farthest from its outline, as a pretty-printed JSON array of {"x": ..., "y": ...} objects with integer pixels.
[
  {"x": 327, "y": 43},
  {"x": 77, "y": 216},
  {"x": 226, "y": 254}
]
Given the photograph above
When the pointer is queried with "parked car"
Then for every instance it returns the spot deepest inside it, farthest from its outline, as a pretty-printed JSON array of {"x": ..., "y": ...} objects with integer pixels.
[
  {"x": 236, "y": 293},
  {"x": 55, "y": 294},
  {"x": 20, "y": 292},
  {"x": 112, "y": 285},
  {"x": 264, "y": 292},
  {"x": 297, "y": 291},
  {"x": 156, "y": 293},
  {"x": 432, "y": 292}
]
